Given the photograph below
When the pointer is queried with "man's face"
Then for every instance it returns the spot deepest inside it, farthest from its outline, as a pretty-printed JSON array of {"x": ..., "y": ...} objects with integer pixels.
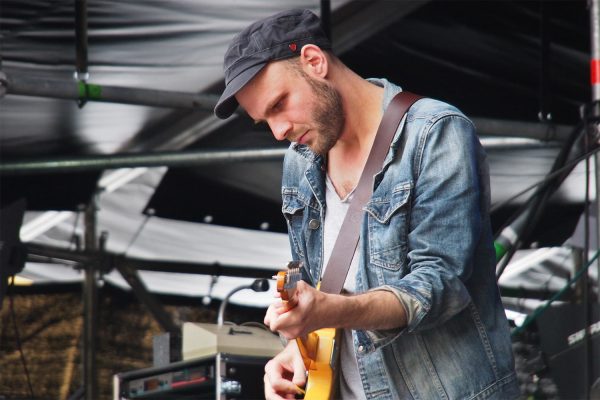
[{"x": 296, "y": 106}]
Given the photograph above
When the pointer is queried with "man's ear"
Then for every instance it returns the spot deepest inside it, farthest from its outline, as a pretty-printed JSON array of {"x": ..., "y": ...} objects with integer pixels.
[{"x": 314, "y": 61}]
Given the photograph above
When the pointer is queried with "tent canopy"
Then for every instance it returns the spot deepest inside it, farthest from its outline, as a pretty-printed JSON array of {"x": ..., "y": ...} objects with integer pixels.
[{"x": 518, "y": 68}]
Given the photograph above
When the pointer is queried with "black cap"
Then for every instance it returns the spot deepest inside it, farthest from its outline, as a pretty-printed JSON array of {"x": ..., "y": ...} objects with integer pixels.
[{"x": 277, "y": 37}]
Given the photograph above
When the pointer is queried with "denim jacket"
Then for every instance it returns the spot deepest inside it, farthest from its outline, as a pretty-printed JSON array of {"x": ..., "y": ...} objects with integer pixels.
[{"x": 426, "y": 237}]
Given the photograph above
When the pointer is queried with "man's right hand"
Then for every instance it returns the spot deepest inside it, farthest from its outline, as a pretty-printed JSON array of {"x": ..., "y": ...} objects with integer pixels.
[{"x": 285, "y": 374}]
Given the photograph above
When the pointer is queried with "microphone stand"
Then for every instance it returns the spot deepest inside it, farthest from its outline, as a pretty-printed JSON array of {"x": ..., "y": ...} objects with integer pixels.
[{"x": 259, "y": 285}]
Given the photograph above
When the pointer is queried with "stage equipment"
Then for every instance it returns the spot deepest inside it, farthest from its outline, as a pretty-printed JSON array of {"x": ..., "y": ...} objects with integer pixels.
[
  {"x": 220, "y": 376},
  {"x": 203, "y": 339},
  {"x": 220, "y": 361},
  {"x": 563, "y": 334}
]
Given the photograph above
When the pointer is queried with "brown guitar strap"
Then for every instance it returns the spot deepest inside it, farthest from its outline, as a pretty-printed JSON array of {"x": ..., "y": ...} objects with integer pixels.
[{"x": 347, "y": 240}]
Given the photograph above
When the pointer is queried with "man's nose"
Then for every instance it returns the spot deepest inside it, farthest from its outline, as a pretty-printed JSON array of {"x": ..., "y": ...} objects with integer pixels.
[{"x": 281, "y": 129}]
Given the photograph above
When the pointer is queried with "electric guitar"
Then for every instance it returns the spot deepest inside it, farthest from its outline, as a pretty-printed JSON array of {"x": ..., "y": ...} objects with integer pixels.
[{"x": 319, "y": 349}]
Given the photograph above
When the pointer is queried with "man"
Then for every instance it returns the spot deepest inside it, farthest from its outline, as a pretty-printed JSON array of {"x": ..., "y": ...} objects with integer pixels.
[{"x": 423, "y": 319}]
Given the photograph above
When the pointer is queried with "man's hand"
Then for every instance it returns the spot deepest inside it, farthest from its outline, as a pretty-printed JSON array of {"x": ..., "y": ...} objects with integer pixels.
[
  {"x": 285, "y": 374},
  {"x": 300, "y": 315}
]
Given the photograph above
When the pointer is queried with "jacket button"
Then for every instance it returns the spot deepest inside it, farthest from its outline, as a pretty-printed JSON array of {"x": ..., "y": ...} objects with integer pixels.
[
  {"x": 313, "y": 224},
  {"x": 361, "y": 348}
]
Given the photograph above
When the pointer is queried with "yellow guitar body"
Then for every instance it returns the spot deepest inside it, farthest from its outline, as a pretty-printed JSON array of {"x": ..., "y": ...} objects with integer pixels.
[
  {"x": 319, "y": 353},
  {"x": 318, "y": 348}
]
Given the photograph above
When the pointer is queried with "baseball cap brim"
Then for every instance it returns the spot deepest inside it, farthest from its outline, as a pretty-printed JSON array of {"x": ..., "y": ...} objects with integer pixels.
[{"x": 227, "y": 103}]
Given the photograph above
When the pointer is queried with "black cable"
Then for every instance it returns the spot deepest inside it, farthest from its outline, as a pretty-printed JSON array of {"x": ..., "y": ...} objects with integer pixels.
[
  {"x": 545, "y": 63},
  {"x": 137, "y": 233},
  {"x": 504, "y": 262},
  {"x": 537, "y": 207},
  {"x": 554, "y": 172},
  {"x": 536, "y": 204},
  {"x": 540, "y": 184},
  {"x": 558, "y": 173},
  {"x": 541, "y": 309},
  {"x": 585, "y": 295},
  {"x": 18, "y": 336}
]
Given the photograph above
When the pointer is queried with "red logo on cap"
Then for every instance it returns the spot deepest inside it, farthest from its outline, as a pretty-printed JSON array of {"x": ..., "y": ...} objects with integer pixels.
[{"x": 292, "y": 46}]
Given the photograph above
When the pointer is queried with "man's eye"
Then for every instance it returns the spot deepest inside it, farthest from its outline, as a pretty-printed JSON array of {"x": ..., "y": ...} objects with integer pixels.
[{"x": 279, "y": 105}]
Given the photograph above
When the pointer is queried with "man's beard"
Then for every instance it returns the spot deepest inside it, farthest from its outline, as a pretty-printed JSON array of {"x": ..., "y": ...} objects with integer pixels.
[{"x": 328, "y": 115}]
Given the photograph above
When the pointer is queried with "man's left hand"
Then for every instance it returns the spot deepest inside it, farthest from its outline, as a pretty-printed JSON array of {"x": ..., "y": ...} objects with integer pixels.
[{"x": 303, "y": 313}]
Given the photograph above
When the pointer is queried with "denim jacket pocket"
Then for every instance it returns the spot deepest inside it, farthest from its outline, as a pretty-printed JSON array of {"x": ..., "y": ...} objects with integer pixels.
[
  {"x": 388, "y": 227},
  {"x": 293, "y": 208},
  {"x": 296, "y": 211},
  {"x": 291, "y": 202}
]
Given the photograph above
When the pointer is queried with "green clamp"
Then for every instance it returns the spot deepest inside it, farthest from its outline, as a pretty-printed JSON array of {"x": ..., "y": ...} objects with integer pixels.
[{"x": 88, "y": 91}]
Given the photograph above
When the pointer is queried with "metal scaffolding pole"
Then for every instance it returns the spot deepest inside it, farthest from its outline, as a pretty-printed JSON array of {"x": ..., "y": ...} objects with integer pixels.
[
  {"x": 485, "y": 126},
  {"x": 81, "y": 38},
  {"x": 521, "y": 129},
  {"x": 18, "y": 84},
  {"x": 595, "y": 48},
  {"x": 90, "y": 307},
  {"x": 326, "y": 18},
  {"x": 594, "y": 7},
  {"x": 168, "y": 159},
  {"x": 45, "y": 253},
  {"x": 591, "y": 117}
]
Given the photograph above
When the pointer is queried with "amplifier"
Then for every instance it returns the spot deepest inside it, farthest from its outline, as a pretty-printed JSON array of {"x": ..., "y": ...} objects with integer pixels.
[
  {"x": 221, "y": 376},
  {"x": 562, "y": 331},
  {"x": 201, "y": 339}
]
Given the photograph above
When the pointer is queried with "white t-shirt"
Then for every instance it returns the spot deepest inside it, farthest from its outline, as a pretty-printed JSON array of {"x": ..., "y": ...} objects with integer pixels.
[{"x": 350, "y": 382}]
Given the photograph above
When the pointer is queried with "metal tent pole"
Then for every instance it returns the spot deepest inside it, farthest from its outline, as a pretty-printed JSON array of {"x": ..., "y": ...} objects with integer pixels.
[
  {"x": 594, "y": 7},
  {"x": 531, "y": 130},
  {"x": 205, "y": 157},
  {"x": 90, "y": 307},
  {"x": 595, "y": 48},
  {"x": 326, "y": 18},
  {"x": 81, "y": 45},
  {"x": 169, "y": 159},
  {"x": 19, "y": 84},
  {"x": 591, "y": 117},
  {"x": 47, "y": 253}
]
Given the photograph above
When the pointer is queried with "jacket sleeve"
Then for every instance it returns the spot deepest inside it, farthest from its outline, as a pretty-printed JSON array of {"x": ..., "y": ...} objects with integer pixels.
[{"x": 445, "y": 224}]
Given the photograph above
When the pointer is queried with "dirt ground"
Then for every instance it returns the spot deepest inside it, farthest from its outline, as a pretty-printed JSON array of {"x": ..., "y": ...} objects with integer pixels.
[{"x": 50, "y": 328}]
